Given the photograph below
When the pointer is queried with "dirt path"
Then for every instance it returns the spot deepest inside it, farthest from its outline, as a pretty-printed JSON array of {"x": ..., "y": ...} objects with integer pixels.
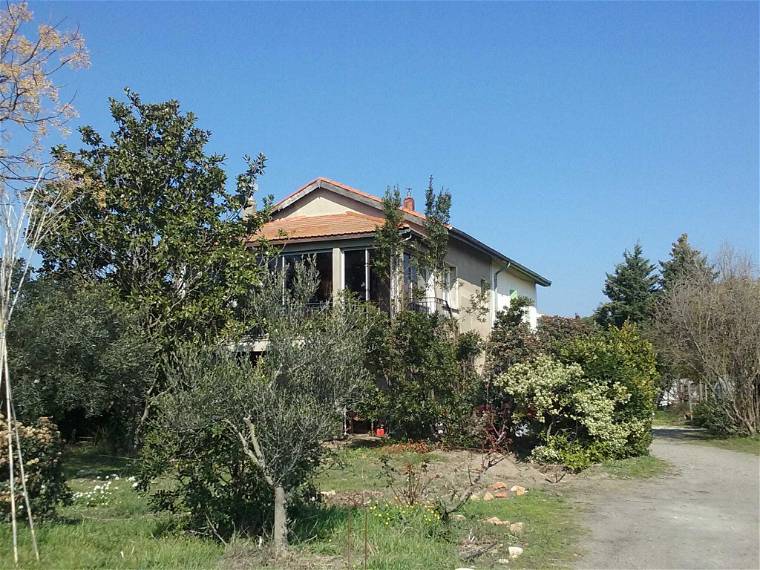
[{"x": 703, "y": 515}]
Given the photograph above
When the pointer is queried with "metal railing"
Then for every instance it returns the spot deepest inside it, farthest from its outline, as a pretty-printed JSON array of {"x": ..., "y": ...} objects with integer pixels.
[{"x": 431, "y": 305}]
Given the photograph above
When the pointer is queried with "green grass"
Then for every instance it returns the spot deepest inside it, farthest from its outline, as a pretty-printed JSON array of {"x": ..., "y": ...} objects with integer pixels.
[
  {"x": 643, "y": 467},
  {"x": 669, "y": 417},
  {"x": 356, "y": 469},
  {"x": 116, "y": 529},
  {"x": 743, "y": 444},
  {"x": 401, "y": 538},
  {"x": 109, "y": 530},
  {"x": 551, "y": 534}
]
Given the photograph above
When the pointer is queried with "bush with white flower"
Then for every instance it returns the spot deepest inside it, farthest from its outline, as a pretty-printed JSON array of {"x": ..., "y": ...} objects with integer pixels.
[{"x": 591, "y": 402}]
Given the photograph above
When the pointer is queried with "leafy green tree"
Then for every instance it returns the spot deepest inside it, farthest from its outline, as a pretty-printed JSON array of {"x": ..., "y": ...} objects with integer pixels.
[
  {"x": 436, "y": 241},
  {"x": 153, "y": 218},
  {"x": 389, "y": 248},
  {"x": 511, "y": 339},
  {"x": 423, "y": 375},
  {"x": 685, "y": 261},
  {"x": 78, "y": 356},
  {"x": 630, "y": 289}
]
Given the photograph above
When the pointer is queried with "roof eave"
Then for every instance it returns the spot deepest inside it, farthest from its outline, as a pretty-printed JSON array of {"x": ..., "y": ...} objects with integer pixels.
[{"x": 476, "y": 243}]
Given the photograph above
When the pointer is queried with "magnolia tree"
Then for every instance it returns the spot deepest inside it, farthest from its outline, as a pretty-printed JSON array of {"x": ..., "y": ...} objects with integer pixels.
[
  {"x": 710, "y": 329},
  {"x": 30, "y": 107},
  {"x": 270, "y": 419}
]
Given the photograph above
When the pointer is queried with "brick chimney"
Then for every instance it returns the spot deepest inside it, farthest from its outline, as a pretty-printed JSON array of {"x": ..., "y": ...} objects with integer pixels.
[{"x": 408, "y": 202}]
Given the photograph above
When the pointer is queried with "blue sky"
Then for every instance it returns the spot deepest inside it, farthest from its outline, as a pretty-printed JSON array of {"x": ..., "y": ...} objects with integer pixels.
[{"x": 565, "y": 132}]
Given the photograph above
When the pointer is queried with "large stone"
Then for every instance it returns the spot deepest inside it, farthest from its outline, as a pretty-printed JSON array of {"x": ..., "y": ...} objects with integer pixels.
[
  {"x": 515, "y": 551},
  {"x": 488, "y": 496},
  {"x": 518, "y": 490},
  {"x": 517, "y": 528}
]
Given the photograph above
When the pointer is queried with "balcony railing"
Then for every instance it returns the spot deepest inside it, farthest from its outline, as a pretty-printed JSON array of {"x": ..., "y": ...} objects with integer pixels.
[{"x": 431, "y": 305}]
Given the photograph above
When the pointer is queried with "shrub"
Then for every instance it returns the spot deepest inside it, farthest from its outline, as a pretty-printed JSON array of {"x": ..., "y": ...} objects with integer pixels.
[
  {"x": 511, "y": 340},
  {"x": 622, "y": 360},
  {"x": 77, "y": 356},
  {"x": 594, "y": 404},
  {"x": 41, "y": 449},
  {"x": 425, "y": 376}
]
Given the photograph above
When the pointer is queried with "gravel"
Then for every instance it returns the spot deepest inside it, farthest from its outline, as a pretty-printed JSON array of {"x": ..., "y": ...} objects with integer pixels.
[{"x": 702, "y": 515}]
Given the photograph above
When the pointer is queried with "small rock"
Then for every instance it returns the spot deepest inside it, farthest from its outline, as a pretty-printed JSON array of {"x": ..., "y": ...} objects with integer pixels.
[
  {"x": 515, "y": 551},
  {"x": 327, "y": 493},
  {"x": 496, "y": 486},
  {"x": 458, "y": 517},
  {"x": 503, "y": 561},
  {"x": 517, "y": 528},
  {"x": 497, "y": 521},
  {"x": 475, "y": 497},
  {"x": 501, "y": 494},
  {"x": 488, "y": 496},
  {"x": 518, "y": 490}
]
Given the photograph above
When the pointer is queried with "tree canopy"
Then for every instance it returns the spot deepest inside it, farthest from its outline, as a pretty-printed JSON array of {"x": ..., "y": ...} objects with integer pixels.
[
  {"x": 684, "y": 261},
  {"x": 630, "y": 290},
  {"x": 153, "y": 218}
]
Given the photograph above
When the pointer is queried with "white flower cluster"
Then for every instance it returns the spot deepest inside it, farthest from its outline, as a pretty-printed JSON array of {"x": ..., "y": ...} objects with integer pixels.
[{"x": 102, "y": 493}]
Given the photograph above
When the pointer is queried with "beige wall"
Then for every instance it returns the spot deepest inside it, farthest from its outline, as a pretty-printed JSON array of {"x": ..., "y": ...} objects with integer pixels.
[
  {"x": 322, "y": 202},
  {"x": 471, "y": 266}
]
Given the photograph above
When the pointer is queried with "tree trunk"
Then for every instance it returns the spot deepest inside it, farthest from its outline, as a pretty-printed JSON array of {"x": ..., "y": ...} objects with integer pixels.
[{"x": 280, "y": 530}]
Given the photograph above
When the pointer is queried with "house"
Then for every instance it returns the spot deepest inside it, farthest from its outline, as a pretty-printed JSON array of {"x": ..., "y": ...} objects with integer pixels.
[{"x": 336, "y": 224}]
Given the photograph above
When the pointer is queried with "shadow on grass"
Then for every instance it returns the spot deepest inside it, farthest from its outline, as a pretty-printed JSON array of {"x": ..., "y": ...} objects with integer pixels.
[
  {"x": 91, "y": 461},
  {"x": 317, "y": 522}
]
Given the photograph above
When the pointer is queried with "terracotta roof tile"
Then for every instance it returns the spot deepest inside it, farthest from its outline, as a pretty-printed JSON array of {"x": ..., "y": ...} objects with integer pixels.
[{"x": 299, "y": 227}]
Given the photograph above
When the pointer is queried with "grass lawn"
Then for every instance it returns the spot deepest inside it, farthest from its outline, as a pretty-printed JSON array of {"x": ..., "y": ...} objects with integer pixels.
[
  {"x": 743, "y": 444},
  {"x": 109, "y": 525},
  {"x": 669, "y": 417},
  {"x": 643, "y": 467}
]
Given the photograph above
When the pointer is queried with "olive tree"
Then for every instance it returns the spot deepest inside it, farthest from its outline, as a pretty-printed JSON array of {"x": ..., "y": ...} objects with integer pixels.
[{"x": 277, "y": 413}]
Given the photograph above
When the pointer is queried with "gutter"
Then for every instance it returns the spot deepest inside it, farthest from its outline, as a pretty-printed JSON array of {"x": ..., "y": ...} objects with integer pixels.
[{"x": 477, "y": 244}]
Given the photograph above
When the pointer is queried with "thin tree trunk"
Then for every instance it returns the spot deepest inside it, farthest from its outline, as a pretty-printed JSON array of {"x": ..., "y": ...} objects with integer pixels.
[{"x": 280, "y": 530}]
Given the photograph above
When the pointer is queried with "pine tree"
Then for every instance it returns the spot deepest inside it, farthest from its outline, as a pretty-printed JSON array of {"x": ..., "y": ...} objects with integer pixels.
[
  {"x": 630, "y": 289},
  {"x": 684, "y": 260}
]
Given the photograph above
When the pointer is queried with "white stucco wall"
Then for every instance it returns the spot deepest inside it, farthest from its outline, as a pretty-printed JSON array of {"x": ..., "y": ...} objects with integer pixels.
[{"x": 508, "y": 284}]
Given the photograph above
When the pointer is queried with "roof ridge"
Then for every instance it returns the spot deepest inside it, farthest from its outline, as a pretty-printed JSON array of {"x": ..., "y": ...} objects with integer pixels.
[{"x": 348, "y": 188}]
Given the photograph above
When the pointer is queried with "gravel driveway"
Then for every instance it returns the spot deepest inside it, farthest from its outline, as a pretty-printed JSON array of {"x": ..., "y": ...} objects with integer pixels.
[{"x": 703, "y": 515}]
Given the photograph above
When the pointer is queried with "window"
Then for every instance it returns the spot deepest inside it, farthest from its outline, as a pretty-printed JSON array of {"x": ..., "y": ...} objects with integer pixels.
[
  {"x": 451, "y": 287},
  {"x": 323, "y": 263},
  {"x": 361, "y": 278},
  {"x": 410, "y": 274},
  {"x": 355, "y": 272}
]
